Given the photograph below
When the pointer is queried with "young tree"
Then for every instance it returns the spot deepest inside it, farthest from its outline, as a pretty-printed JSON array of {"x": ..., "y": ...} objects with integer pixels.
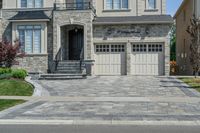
[
  {"x": 193, "y": 30},
  {"x": 9, "y": 52}
]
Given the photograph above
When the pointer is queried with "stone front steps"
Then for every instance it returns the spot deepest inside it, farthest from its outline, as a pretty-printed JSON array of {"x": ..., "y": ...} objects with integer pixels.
[
  {"x": 66, "y": 70},
  {"x": 61, "y": 76}
]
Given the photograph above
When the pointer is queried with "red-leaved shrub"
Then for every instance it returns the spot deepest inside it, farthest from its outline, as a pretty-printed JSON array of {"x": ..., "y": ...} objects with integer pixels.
[{"x": 9, "y": 52}]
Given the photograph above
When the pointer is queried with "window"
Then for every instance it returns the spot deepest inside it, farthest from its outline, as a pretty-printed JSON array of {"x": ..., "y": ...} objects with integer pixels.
[
  {"x": 102, "y": 48},
  {"x": 147, "y": 48},
  {"x": 31, "y": 3},
  {"x": 155, "y": 48},
  {"x": 139, "y": 48},
  {"x": 106, "y": 48},
  {"x": 151, "y": 4},
  {"x": 117, "y": 48},
  {"x": 30, "y": 38},
  {"x": 116, "y": 4},
  {"x": 79, "y": 4},
  {"x": 0, "y": 4}
]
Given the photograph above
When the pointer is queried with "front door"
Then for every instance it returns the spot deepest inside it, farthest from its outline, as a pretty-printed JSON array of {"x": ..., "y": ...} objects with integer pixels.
[{"x": 75, "y": 44}]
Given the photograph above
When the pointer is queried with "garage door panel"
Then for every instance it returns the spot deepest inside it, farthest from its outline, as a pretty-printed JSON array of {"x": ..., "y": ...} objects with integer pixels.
[
  {"x": 147, "y": 59},
  {"x": 111, "y": 62}
]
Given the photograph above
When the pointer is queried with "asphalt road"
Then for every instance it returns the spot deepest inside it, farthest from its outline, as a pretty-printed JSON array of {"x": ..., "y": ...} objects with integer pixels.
[{"x": 96, "y": 129}]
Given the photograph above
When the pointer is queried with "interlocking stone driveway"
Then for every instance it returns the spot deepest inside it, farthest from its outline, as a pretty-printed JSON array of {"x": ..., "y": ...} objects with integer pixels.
[
  {"x": 119, "y": 86},
  {"x": 170, "y": 100}
]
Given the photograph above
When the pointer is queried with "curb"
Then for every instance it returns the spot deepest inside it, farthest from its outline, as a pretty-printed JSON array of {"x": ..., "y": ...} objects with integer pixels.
[
  {"x": 38, "y": 89},
  {"x": 93, "y": 122}
]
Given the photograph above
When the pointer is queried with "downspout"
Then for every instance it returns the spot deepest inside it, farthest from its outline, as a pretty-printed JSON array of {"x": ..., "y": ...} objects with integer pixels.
[{"x": 161, "y": 7}]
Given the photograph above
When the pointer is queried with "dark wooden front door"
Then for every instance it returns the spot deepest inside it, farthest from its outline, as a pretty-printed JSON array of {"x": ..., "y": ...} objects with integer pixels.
[{"x": 75, "y": 44}]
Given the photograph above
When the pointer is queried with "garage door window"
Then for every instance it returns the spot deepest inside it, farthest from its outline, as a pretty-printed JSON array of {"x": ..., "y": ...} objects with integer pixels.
[
  {"x": 117, "y": 48},
  {"x": 143, "y": 48},
  {"x": 155, "y": 48},
  {"x": 102, "y": 48},
  {"x": 139, "y": 47}
]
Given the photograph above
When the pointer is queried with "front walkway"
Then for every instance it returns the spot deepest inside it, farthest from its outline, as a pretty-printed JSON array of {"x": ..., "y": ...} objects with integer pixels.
[{"x": 111, "y": 99}]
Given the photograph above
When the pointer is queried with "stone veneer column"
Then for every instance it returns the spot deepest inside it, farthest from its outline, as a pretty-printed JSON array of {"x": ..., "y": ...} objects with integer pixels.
[{"x": 128, "y": 58}]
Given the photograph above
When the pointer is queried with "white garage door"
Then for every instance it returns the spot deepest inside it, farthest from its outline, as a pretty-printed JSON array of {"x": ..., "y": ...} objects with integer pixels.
[
  {"x": 110, "y": 59},
  {"x": 147, "y": 59}
]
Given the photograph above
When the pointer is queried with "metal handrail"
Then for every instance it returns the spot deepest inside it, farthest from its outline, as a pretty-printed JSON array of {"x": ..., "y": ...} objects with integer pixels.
[
  {"x": 58, "y": 58},
  {"x": 74, "y": 6},
  {"x": 81, "y": 58}
]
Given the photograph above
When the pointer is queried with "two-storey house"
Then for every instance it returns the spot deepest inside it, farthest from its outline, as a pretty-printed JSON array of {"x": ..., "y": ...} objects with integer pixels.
[
  {"x": 183, "y": 16},
  {"x": 104, "y": 37}
]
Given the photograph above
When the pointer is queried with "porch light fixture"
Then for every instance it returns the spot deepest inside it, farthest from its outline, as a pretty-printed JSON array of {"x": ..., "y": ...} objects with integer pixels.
[{"x": 76, "y": 29}]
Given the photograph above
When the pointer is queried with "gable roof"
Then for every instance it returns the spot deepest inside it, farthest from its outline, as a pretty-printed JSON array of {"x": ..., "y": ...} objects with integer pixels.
[
  {"x": 30, "y": 15},
  {"x": 145, "y": 19}
]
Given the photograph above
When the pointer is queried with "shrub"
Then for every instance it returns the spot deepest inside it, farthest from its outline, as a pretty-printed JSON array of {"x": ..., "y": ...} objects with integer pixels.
[
  {"x": 19, "y": 73},
  {"x": 173, "y": 68},
  {"x": 5, "y": 70},
  {"x": 9, "y": 52}
]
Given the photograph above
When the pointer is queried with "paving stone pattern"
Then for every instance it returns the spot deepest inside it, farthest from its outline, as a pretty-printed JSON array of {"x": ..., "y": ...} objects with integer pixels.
[
  {"x": 119, "y": 86},
  {"x": 116, "y": 87}
]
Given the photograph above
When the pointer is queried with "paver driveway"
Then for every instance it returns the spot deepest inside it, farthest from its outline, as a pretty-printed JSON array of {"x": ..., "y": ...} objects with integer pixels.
[
  {"x": 112, "y": 98},
  {"x": 119, "y": 86}
]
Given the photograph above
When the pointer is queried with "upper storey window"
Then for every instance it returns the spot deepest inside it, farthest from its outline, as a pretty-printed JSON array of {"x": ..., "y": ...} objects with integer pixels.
[
  {"x": 31, "y": 3},
  {"x": 0, "y": 4},
  {"x": 116, "y": 4},
  {"x": 151, "y": 4}
]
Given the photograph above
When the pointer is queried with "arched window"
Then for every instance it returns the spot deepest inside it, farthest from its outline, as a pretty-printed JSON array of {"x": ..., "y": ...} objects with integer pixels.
[{"x": 31, "y": 3}]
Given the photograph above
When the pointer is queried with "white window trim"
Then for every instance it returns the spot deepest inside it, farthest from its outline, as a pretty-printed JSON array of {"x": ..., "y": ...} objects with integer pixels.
[
  {"x": 43, "y": 35},
  {"x": 19, "y": 4},
  {"x": 147, "y": 5},
  {"x": 128, "y": 8}
]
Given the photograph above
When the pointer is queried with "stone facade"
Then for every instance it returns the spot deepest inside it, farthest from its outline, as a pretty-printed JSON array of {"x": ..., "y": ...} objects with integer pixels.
[
  {"x": 133, "y": 33},
  {"x": 32, "y": 63},
  {"x": 139, "y": 32},
  {"x": 121, "y": 33},
  {"x": 83, "y": 18}
]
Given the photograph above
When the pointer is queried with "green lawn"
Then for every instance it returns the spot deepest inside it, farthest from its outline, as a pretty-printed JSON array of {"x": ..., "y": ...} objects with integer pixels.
[
  {"x": 4, "y": 104},
  {"x": 15, "y": 88},
  {"x": 192, "y": 82}
]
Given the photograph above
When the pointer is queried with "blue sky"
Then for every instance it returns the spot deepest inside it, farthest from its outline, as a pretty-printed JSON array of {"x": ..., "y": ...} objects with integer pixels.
[{"x": 172, "y": 6}]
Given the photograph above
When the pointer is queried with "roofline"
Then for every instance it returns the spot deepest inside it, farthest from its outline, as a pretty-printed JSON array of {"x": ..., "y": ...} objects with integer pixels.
[
  {"x": 135, "y": 22},
  {"x": 179, "y": 9}
]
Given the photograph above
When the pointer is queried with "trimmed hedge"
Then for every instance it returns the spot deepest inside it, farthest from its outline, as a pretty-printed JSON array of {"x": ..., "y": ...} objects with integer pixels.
[
  {"x": 13, "y": 73},
  {"x": 5, "y": 70},
  {"x": 19, "y": 73}
]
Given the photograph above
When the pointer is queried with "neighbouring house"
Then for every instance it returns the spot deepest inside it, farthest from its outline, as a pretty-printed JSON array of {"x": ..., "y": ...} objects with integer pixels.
[
  {"x": 99, "y": 37},
  {"x": 183, "y": 16}
]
